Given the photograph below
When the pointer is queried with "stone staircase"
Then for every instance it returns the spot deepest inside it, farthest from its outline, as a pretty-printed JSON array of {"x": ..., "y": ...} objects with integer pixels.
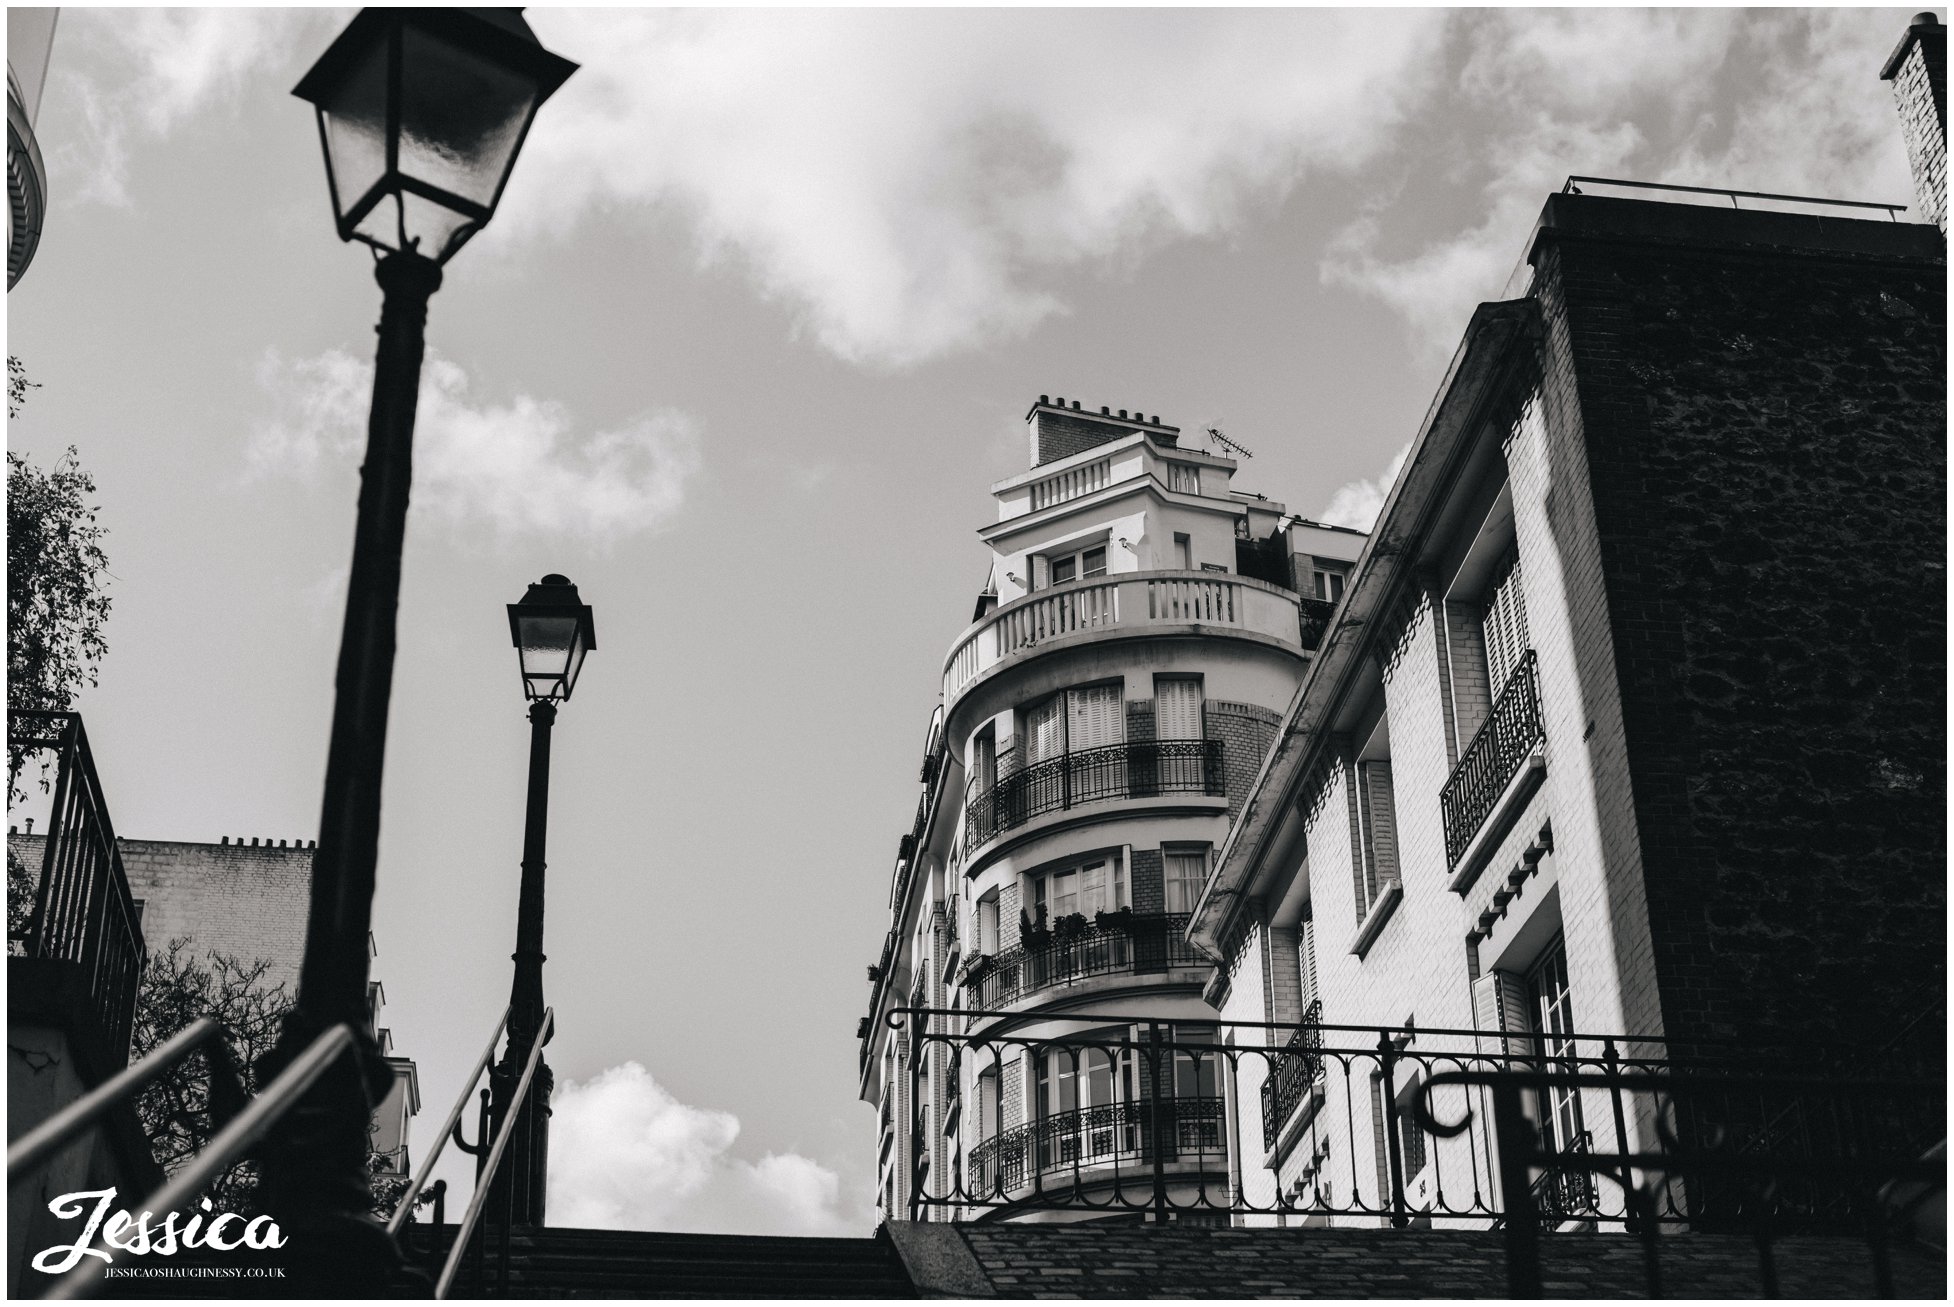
[{"x": 558, "y": 1263}]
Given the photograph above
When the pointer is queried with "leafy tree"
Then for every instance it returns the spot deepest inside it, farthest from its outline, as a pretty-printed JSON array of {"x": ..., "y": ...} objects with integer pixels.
[
  {"x": 17, "y": 386},
  {"x": 175, "y": 1109}
]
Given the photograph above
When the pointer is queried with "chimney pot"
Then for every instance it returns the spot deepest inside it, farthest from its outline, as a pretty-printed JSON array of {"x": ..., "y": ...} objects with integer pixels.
[
  {"x": 1105, "y": 412},
  {"x": 1926, "y": 20},
  {"x": 1044, "y": 399},
  {"x": 1122, "y": 412},
  {"x": 30, "y": 825},
  {"x": 1075, "y": 406},
  {"x": 1155, "y": 419},
  {"x": 254, "y": 841}
]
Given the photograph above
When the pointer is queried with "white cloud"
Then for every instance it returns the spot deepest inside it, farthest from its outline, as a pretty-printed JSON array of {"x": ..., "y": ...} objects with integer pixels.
[
  {"x": 1783, "y": 101},
  {"x": 518, "y": 468},
  {"x": 626, "y": 1155},
  {"x": 1357, "y": 503},
  {"x": 149, "y": 70},
  {"x": 911, "y": 183}
]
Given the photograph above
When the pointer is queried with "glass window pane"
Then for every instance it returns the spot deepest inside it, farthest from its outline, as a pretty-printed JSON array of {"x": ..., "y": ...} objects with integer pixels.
[
  {"x": 1095, "y": 562},
  {"x": 1064, "y": 569}
]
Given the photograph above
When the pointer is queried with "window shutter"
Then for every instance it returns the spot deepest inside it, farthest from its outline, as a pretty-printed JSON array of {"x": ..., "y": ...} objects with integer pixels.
[
  {"x": 1505, "y": 626},
  {"x": 1045, "y": 730},
  {"x": 1500, "y": 1004},
  {"x": 1306, "y": 956},
  {"x": 1095, "y": 713},
  {"x": 1177, "y": 708}
]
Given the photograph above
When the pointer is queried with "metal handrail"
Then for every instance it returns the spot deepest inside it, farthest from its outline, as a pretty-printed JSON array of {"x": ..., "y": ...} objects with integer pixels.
[
  {"x": 1571, "y": 188},
  {"x": 55, "y": 1133},
  {"x": 246, "y": 1129},
  {"x": 475, "y": 1204},
  {"x": 426, "y": 1167}
]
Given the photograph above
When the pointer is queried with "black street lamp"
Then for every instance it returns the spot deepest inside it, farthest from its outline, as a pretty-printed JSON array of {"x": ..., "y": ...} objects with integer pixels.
[
  {"x": 552, "y": 630},
  {"x": 421, "y": 113}
]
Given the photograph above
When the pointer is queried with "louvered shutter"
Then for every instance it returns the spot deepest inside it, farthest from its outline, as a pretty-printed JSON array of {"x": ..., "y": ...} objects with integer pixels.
[
  {"x": 1045, "y": 730},
  {"x": 1306, "y": 959},
  {"x": 1095, "y": 713},
  {"x": 1505, "y": 626},
  {"x": 1177, "y": 708},
  {"x": 1500, "y": 1006}
]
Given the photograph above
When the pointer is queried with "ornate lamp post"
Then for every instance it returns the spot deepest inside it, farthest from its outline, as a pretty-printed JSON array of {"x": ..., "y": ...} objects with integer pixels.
[
  {"x": 421, "y": 113},
  {"x": 553, "y": 630}
]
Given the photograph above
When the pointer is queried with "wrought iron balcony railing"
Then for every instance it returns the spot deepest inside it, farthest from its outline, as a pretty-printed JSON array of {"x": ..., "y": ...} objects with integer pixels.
[
  {"x": 1298, "y": 1068},
  {"x": 1493, "y": 758},
  {"x": 1141, "y": 944},
  {"x": 1102, "y": 1140},
  {"x": 1313, "y": 620},
  {"x": 77, "y": 956},
  {"x": 1707, "y": 1137},
  {"x": 1141, "y": 769}
]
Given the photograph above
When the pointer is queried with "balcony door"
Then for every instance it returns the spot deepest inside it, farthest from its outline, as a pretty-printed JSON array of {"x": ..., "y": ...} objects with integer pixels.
[
  {"x": 1095, "y": 722},
  {"x": 1082, "y": 1098},
  {"x": 1177, "y": 723}
]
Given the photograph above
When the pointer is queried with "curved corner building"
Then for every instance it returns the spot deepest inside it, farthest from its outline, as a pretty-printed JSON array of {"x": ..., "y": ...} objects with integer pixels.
[
  {"x": 30, "y": 36},
  {"x": 1143, "y": 628}
]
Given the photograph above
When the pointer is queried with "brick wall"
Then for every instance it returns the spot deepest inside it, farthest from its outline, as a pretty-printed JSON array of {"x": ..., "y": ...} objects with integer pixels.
[
  {"x": 1149, "y": 876},
  {"x": 1139, "y": 719},
  {"x": 1245, "y": 731},
  {"x": 1765, "y": 433},
  {"x": 1143, "y": 1261},
  {"x": 1920, "y": 95},
  {"x": 249, "y": 901},
  {"x": 1061, "y": 435}
]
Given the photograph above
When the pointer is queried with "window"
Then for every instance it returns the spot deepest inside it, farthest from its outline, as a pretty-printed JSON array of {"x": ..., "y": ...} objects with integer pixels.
[
  {"x": 1177, "y": 708},
  {"x": 1328, "y": 584},
  {"x": 1071, "y": 1081},
  {"x": 1044, "y": 730},
  {"x": 1183, "y": 551},
  {"x": 987, "y": 941},
  {"x": 1095, "y": 716},
  {"x": 1071, "y": 566},
  {"x": 983, "y": 758},
  {"x": 1186, "y": 871},
  {"x": 1376, "y": 820},
  {"x": 1096, "y": 885},
  {"x": 1505, "y": 624},
  {"x": 1184, "y": 478},
  {"x": 1551, "y": 1015}
]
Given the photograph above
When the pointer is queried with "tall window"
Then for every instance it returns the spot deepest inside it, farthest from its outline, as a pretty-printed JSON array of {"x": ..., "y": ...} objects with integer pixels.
[
  {"x": 1183, "y": 551},
  {"x": 1095, "y": 717},
  {"x": 1552, "y": 1019},
  {"x": 1186, "y": 870},
  {"x": 1377, "y": 823},
  {"x": 1505, "y": 623},
  {"x": 987, "y": 941},
  {"x": 1044, "y": 730},
  {"x": 1184, "y": 478},
  {"x": 1177, "y": 707},
  {"x": 1096, "y": 885},
  {"x": 1328, "y": 583}
]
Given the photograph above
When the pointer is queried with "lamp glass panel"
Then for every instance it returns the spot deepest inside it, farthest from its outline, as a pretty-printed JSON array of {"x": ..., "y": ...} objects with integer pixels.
[
  {"x": 547, "y": 642},
  {"x": 355, "y": 115},
  {"x": 461, "y": 118},
  {"x": 575, "y": 663}
]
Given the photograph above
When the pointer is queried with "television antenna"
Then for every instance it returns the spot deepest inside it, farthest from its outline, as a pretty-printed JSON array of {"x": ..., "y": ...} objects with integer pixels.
[{"x": 1214, "y": 434}]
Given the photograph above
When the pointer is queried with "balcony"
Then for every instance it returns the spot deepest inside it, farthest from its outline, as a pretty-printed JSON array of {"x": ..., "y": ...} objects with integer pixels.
[
  {"x": 1141, "y": 945},
  {"x": 1493, "y": 760},
  {"x": 1133, "y": 603},
  {"x": 1116, "y": 1139},
  {"x": 1297, "y": 1069},
  {"x": 1140, "y": 769},
  {"x": 75, "y": 953}
]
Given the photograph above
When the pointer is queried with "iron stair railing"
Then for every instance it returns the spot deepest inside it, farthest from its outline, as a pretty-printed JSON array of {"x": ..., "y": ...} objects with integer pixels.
[{"x": 487, "y": 1178}]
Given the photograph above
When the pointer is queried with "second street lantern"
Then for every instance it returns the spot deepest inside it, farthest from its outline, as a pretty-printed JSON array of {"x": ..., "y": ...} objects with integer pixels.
[
  {"x": 422, "y": 113},
  {"x": 553, "y": 630}
]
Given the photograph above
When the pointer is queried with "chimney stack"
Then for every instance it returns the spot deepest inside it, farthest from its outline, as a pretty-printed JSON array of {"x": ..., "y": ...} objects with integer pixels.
[{"x": 1918, "y": 70}]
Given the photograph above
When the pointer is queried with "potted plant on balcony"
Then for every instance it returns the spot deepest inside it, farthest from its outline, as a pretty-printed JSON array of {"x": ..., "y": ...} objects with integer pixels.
[
  {"x": 1033, "y": 931},
  {"x": 1070, "y": 926},
  {"x": 1119, "y": 919}
]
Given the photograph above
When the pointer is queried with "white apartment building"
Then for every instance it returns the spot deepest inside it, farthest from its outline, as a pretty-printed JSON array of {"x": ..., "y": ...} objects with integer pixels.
[{"x": 1101, "y": 722}]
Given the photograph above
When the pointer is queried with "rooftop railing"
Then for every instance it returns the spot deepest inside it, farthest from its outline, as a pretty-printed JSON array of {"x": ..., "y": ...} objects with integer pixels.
[{"x": 1757, "y": 199}]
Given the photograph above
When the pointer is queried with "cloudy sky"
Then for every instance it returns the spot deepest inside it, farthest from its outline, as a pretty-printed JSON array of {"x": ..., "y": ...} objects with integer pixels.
[{"x": 767, "y": 299}]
